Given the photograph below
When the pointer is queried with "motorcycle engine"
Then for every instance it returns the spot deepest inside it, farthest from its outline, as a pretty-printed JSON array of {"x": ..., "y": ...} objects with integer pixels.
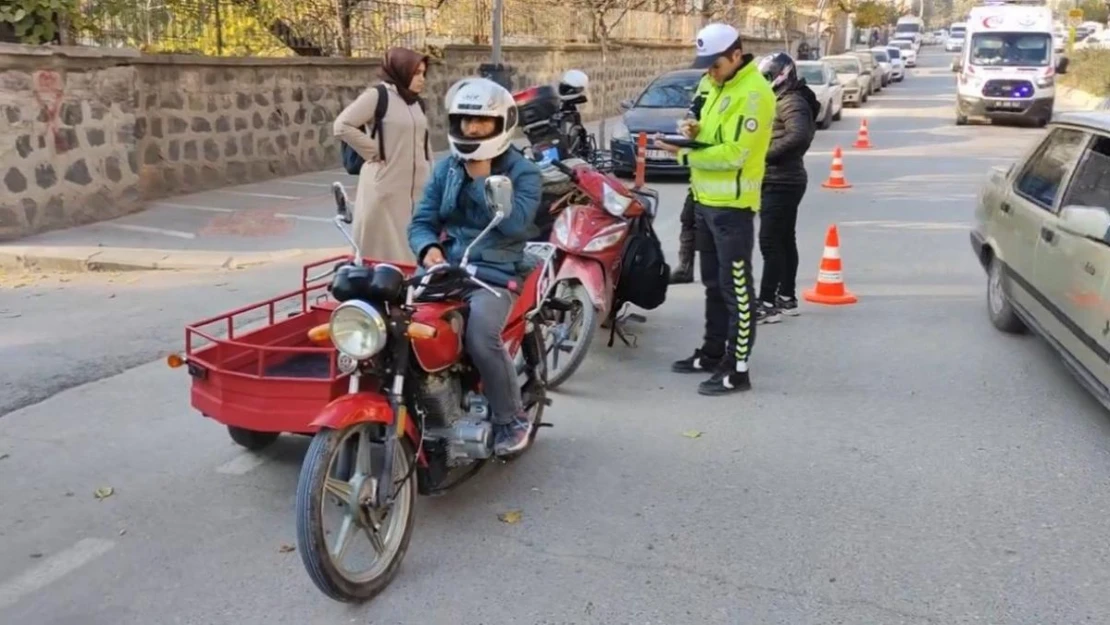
[{"x": 459, "y": 422}]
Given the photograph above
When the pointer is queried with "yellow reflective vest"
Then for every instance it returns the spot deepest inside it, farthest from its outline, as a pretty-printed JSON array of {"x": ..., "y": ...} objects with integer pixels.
[{"x": 736, "y": 123}]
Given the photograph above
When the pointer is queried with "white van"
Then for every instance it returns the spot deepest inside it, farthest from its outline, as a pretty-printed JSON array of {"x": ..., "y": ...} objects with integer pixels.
[
  {"x": 955, "y": 40},
  {"x": 1008, "y": 68}
]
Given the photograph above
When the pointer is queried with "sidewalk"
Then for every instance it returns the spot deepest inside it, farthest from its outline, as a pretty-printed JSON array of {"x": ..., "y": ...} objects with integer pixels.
[{"x": 227, "y": 228}]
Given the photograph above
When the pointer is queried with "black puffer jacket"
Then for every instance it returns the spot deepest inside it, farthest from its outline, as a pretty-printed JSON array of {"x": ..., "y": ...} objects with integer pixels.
[{"x": 792, "y": 132}]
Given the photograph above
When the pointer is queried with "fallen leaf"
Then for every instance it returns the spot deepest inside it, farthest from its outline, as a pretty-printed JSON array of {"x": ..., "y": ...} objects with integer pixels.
[
  {"x": 122, "y": 532},
  {"x": 692, "y": 434},
  {"x": 286, "y": 549},
  {"x": 3, "y": 456},
  {"x": 510, "y": 517},
  {"x": 104, "y": 492},
  {"x": 36, "y": 556}
]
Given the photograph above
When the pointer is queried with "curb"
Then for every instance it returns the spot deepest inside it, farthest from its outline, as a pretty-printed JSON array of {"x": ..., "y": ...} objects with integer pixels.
[
  {"x": 82, "y": 259},
  {"x": 1084, "y": 100}
]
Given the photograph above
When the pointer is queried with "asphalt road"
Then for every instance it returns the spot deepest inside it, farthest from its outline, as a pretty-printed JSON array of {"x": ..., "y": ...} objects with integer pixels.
[{"x": 898, "y": 462}]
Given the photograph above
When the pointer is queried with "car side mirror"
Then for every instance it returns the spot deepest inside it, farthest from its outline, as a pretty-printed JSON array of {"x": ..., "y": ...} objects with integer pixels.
[
  {"x": 1062, "y": 65},
  {"x": 625, "y": 105},
  {"x": 1091, "y": 222}
]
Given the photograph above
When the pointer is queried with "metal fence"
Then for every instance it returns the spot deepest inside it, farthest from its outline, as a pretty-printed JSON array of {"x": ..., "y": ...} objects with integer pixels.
[{"x": 353, "y": 27}]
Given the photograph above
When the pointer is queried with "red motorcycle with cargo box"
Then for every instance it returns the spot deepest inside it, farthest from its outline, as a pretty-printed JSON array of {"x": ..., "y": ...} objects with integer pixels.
[{"x": 371, "y": 364}]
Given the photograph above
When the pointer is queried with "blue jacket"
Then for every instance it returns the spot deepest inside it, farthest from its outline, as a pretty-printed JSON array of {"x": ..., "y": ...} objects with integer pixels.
[{"x": 499, "y": 257}]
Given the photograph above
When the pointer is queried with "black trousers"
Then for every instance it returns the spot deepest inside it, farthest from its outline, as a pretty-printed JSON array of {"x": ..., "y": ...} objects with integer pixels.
[
  {"x": 778, "y": 219},
  {"x": 725, "y": 238}
]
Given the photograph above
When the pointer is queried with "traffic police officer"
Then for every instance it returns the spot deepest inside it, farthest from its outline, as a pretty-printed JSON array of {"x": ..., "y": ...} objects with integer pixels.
[{"x": 725, "y": 176}]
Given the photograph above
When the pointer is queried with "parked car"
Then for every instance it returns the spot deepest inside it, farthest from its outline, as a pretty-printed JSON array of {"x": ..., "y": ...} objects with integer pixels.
[
  {"x": 882, "y": 59},
  {"x": 1042, "y": 232},
  {"x": 826, "y": 86},
  {"x": 897, "y": 64},
  {"x": 855, "y": 80},
  {"x": 871, "y": 67},
  {"x": 657, "y": 109},
  {"x": 905, "y": 49},
  {"x": 1097, "y": 40}
]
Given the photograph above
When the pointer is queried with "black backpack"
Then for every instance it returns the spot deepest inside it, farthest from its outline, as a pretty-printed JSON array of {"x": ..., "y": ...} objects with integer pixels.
[
  {"x": 645, "y": 274},
  {"x": 352, "y": 160}
]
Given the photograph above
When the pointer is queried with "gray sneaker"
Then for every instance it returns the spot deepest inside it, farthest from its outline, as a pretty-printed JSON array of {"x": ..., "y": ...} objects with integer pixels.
[
  {"x": 767, "y": 313},
  {"x": 512, "y": 437},
  {"x": 787, "y": 305}
]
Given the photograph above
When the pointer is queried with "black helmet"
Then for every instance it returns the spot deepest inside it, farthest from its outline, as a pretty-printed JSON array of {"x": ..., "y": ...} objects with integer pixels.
[{"x": 780, "y": 71}]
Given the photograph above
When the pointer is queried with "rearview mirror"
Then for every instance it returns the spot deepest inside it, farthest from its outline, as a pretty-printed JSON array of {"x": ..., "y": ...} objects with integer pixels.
[
  {"x": 342, "y": 204},
  {"x": 499, "y": 195},
  {"x": 625, "y": 105},
  {"x": 1062, "y": 65},
  {"x": 1091, "y": 222}
]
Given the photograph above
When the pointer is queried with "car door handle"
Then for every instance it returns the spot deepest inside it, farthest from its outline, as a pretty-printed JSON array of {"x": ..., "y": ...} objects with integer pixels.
[
  {"x": 1005, "y": 207},
  {"x": 1047, "y": 235}
]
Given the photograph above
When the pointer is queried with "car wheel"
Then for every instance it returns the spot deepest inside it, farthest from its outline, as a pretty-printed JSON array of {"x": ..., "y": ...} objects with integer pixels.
[
  {"x": 999, "y": 309},
  {"x": 839, "y": 113},
  {"x": 961, "y": 120},
  {"x": 826, "y": 121}
]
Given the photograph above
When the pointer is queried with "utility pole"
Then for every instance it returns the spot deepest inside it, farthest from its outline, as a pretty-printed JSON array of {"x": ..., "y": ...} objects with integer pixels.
[
  {"x": 495, "y": 38},
  {"x": 496, "y": 70}
]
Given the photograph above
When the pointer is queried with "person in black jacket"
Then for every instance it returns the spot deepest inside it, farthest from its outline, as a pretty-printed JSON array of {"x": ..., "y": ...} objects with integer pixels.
[
  {"x": 684, "y": 272},
  {"x": 784, "y": 184}
]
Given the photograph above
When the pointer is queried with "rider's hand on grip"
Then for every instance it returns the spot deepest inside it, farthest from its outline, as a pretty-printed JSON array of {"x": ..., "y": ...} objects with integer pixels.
[{"x": 433, "y": 257}]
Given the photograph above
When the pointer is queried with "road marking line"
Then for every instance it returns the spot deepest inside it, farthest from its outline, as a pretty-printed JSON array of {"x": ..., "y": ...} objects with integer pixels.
[
  {"x": 242, "y": 464},
  {"x": 304, "y": 217},
  {"x": 148, "y": 229},
  {"x": 210, "y": 209},
  {"x": 265, "y": 195},
  {"x": 52, "y": 569}
]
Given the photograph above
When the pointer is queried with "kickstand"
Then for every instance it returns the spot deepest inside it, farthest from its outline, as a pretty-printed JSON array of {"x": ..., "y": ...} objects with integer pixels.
[{"x": 618, "y": 329}]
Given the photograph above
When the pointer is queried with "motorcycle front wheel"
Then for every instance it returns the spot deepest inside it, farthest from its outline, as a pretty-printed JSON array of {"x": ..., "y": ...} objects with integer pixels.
[
  {"x": 567, "y": 335},
  {"x": 338, "y": 475}
]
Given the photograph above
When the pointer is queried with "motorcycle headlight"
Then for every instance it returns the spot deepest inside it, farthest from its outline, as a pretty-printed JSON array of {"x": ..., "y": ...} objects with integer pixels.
[
  {"x": 561, "y": 227},
  {"x": 358, "y": 330},
  {"x": 606, "y": 238},
  {"x": 614, "y": 202}
]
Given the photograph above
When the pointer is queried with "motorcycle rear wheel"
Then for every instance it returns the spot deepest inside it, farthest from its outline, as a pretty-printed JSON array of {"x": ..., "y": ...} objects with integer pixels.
[
  {"x": 575, "y": 294},
  {"x": 318, "y": 488}
]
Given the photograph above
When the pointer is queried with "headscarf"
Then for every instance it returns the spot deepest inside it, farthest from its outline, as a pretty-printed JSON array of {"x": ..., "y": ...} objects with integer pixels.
[{"x": 398, "y": 67}]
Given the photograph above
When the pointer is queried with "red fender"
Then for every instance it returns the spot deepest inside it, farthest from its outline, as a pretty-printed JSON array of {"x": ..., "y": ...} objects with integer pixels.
[
  {"x": 358, "y": 408},
  {"x": 590, "y": 273}
]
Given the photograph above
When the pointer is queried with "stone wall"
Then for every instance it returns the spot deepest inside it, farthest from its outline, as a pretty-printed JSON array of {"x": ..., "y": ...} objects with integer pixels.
[{"x": 91, "y": 134}]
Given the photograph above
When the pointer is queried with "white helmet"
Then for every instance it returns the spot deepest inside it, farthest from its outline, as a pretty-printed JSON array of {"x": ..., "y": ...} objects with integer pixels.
[
  {"x": 573, "y": 84},
  {"x": 480, "y": 97}
]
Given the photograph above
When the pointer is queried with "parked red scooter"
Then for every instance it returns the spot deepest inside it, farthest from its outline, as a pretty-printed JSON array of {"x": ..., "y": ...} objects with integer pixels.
[{"x": 590, "y": 234}]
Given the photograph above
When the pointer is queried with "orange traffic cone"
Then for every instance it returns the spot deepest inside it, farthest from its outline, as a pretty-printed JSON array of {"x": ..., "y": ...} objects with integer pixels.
[
  {"x": 836, "y": 173},
  {"x": 863, "y": 138},
  {"x": 830, "y": 280}
]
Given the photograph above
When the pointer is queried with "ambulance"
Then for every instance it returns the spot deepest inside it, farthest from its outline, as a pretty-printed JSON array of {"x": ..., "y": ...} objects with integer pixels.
[{"x": 1007, "y": 68}]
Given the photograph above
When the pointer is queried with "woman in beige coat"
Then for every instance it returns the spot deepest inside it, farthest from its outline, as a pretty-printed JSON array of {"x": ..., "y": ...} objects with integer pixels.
[{"x": 389, "y": 184}]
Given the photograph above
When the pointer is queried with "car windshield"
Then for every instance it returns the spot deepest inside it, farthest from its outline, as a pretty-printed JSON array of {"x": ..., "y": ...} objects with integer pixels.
[
  {"x": 880, "y": 57},
  {"x": 844, "y": 66},
  {"x": 813, "y": 74},
  {"x": 957, "y": 34},
  {"x": 895, "y": 53},
  {"x": 1011, "y": 49},
  {"x": 901, "y": 45},
  {"x": 908, "y": 28},
  {"x": 669, "y": 92}
]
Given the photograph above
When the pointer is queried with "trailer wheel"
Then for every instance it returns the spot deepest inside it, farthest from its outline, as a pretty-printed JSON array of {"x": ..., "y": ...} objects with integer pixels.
[{"x": 250, "y": 439}]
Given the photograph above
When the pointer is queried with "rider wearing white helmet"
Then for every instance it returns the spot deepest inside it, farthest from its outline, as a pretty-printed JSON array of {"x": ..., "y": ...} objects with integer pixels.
[{"x": 481, "y": 118}]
